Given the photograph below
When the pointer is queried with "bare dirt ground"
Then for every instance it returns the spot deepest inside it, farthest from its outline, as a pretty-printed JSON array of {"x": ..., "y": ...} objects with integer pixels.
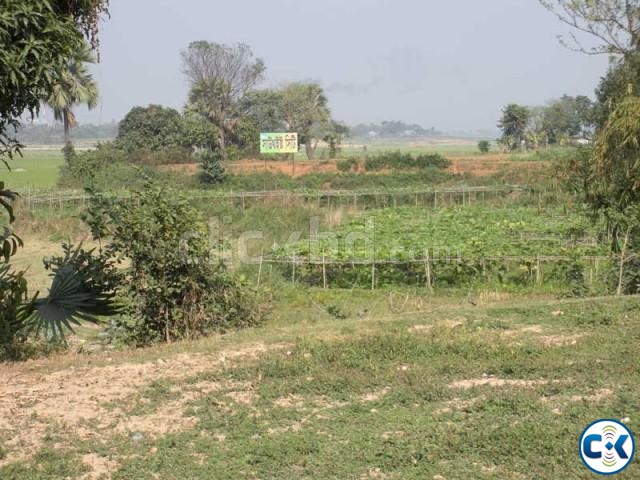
[{"x": 79, "y": 398}]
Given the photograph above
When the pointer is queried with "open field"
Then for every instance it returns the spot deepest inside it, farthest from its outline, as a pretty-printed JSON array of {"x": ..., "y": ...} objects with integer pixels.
[
  {"x": 37, "y": 169},
  {"x": 485, "y": 373},
  {"x": 440, "y": 389}
]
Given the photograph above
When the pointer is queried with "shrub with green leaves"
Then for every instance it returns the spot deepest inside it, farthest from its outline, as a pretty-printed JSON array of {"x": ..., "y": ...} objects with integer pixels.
[
  {"x": 346, "y": 165},
  {"x": 484, "y": 146},
  {"x": 212, "y": 170},
  {"x": 173, "y": 288},
  {"x": 401, "y": 161}
]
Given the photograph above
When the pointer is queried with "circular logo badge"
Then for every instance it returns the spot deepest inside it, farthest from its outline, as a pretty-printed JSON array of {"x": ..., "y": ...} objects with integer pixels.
[{"x": 607, "y": 447}]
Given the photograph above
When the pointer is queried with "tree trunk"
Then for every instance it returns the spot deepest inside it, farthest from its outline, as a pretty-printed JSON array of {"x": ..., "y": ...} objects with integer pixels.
[
  {"x": 622, "y": 262},
  {"x": 222, "y": 140},
  {"x": 65, "y": 122},
  {"x": 308, "y": 147}
]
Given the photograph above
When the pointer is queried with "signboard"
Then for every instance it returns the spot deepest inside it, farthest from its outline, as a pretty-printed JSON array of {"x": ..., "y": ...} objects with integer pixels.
[{"x": 278, "y": 143}]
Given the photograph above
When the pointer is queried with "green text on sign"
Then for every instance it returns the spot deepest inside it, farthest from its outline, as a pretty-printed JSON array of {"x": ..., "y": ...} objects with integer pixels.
[{"x": 278, "y": 142}]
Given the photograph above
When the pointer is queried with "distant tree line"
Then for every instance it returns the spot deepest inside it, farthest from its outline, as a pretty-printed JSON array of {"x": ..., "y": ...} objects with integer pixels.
[
  {"x": 392, "y": 129},
  {"x": 33, "y": 134}
]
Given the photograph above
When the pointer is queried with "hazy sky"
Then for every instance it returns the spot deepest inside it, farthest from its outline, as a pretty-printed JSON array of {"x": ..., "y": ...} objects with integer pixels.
[{"x": 451, "y": 64}]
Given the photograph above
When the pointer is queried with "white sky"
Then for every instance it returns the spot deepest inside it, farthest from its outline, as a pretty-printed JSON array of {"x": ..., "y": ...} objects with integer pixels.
[{"x": 451, "y": 64}]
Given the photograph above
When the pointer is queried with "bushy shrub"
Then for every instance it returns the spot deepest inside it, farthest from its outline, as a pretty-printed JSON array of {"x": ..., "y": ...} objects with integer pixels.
[
  {"x": 399, "y": 161},
  {"x": 173, "y": 288},
  {"x": 484, "y": 146},
  {"x": 346, "y": 165},
  {"x": 108, "y": 168},
  {"x": 212, "y": 170},
  {"x": 169, "y": 156},
  {"x": 13, "y": 295}
]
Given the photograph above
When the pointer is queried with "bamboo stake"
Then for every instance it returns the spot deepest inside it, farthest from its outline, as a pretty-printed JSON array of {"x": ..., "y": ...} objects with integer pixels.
[
  {"x": 260, "y": 268},
  {"x": 622, "y": 262},
  {"x": 324, "y": 272},
  {"x": 373, "y": 275}
]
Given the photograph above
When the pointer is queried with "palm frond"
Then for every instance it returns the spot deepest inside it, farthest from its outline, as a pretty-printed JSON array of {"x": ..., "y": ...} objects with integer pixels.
[{"x": 73, "y": 297}]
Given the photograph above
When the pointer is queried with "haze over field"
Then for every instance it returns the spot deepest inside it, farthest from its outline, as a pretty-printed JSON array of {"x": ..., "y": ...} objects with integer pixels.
[{"x": 450, "y": 65}]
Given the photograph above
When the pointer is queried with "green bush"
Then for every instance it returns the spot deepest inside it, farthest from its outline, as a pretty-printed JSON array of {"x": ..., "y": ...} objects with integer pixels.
[
  {"x": 13, "y": 295},
  {"x": 108, "y": 168},
  {"x": 211, "y": 163},
  {"x": 169, "y": 156},
  {"x": 172, "y": 287},
  {"x": 402, "y": 161},
  {"x": 484, "y": 146},
  {"x": 346, "y": 165}
]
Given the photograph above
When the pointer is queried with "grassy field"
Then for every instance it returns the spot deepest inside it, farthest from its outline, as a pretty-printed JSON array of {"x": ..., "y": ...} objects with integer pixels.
[
  {"x": 440, "y": 389},
  {"x": 36, "y": 170}
]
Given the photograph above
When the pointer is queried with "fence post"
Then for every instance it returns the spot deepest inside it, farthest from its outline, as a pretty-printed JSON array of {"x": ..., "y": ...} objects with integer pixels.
[
  {"x": 260, "y": 268},
  {"x": 293, "y": 270},
  {"x": 538, "y": 270},
  {"x": 427, "y": 268},
  {"x": 324, "y": 272},
  {"x": 373, "y": 275}
]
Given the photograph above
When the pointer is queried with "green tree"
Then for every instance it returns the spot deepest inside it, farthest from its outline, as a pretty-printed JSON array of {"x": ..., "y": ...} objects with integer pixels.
[
  {"x": 567, "y": 117},
  {"x": 514, "y": 123},
  {"x": 305, "y": 110},
  {"x": 37, "y": 40},
  {"x": 151, "y": 128},
  {"x": 335, "y": 133},
  {"x": 622, "y": 77},
  {"x": 220, "y": 76},
  {"x": 73, "y": 87},
  {"x": 613, "y": 189},
  {"x": 484, "y": 146}
]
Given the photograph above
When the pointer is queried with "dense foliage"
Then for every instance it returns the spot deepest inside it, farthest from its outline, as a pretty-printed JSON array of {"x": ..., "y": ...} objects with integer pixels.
[
  {"x": 173, "y": 287},
  {"x": 151, "y": 128},
  {"x": 212, "y": 170},
  {"x": 399, "y": 160}
]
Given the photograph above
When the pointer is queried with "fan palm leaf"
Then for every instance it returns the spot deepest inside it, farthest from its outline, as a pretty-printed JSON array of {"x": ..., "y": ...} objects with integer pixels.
[{"x": 73, "y": 297}]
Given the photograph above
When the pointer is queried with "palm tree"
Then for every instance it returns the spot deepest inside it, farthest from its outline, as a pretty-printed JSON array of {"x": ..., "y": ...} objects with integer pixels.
[{"x": 75, "y": 86}]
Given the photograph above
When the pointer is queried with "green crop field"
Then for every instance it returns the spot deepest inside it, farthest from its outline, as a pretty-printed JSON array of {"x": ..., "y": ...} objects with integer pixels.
[{"x": 472, "y": 231}]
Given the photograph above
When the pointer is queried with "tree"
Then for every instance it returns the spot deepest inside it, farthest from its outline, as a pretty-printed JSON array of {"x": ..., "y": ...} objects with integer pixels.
[
  {"x": 74, "y": 86},
  {"x": 37, "y": 39},
  {"x": 615, "y": 23},
  {"x": 198, "y": 132},
  {"x": 514, "y": 122},
  {"x": 305, "y": 110},
  {"x": 151, "y": 128},
  {"x": 621, "y": 79},
  {"x": 220, "y": 76},
  {"x": 334, "y": 135},
  {"x": 484, "y": 146},
  {"x": 567, "y": 117},
  {"x": 263, "y": 108},
  {"x": 613, "y": 189}
]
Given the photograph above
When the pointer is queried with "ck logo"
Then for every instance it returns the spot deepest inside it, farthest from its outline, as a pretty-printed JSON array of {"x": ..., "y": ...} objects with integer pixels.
[{"x": 607, "y": 447}]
